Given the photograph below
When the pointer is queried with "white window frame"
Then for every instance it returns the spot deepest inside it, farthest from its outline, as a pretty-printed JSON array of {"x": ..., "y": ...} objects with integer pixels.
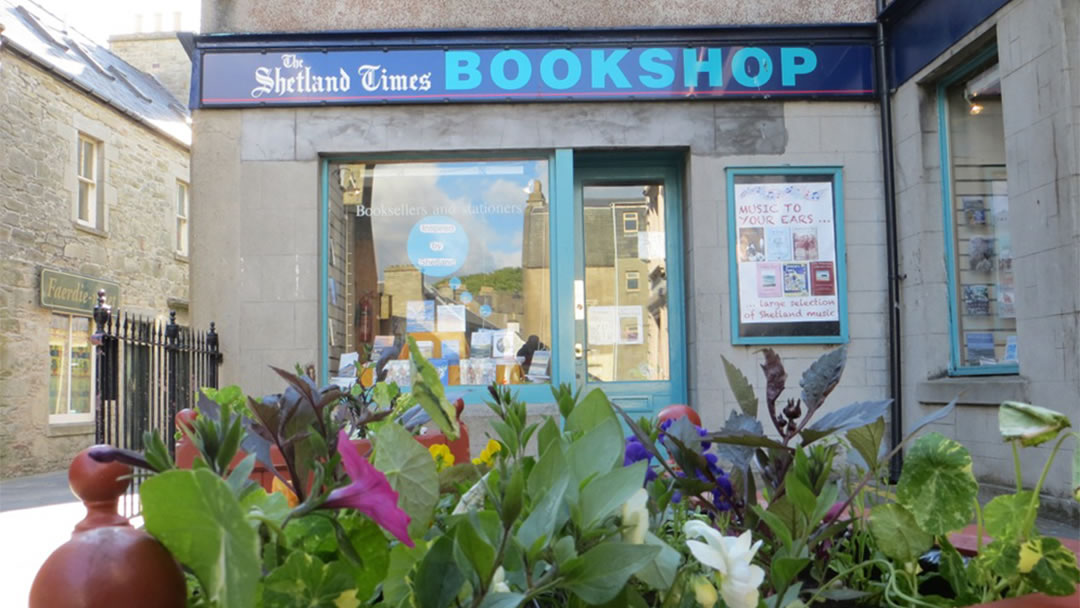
[
  {"x": 183, "y": 213},
  {"x": 636, "y": 277},
  {"x": 92, "y": 183},
  {"x": 74, "y": 417},
  {"x": 630, "y": 216}
]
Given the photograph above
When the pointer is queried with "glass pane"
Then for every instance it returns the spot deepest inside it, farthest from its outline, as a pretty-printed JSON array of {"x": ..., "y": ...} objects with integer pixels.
[
  {"x": 82, "y": 379},
  {"x": 985, "y": 289},
  {"x": 181, "y": 200},
  {"x": 58, "y": 365},
  {"x": 181, "y": 235},
  {"x": 626, "y": 315},
  {"x": 453, "y": 254},
  {"x": 85, "y": 193},
  {"x": 86, "y": 159}
]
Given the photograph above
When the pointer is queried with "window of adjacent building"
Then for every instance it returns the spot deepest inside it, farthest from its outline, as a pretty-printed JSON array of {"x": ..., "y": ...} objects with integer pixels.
[
  {"x": 630, "y": 222},
  {"x": 632, "y": 280},
  {"x": 453, "y": 254},
  {"x": 975, "y": 185},
  {"x": 182, "y": 205},
  {"x": 71, "y": 369},
  {"x": 88, "y": 202}
]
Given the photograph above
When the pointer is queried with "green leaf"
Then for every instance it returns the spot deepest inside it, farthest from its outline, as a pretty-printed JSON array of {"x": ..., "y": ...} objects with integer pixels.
[
  {"x": 513, "y": 497},
  {"x": 1000, "y": 557},
  {"x": 598, "y": 451},
  {"x": 502, "y": 600},
  {"x": 565, "y": 550},
  {"x": 1031, "y": 424},
  {"x": 427, "y": 389},
  {"x": 898, "y": 534},
  {"x": 784, "y": 569},
  {"x": 739, "y": 455},
  {"x": 411, "y": 472},
  {"x": 1005, "y": 515},
  {"x": 953, "y": 570},
  {"x": 822, "y": 377},
  {"x": 273, "y": 506},
  {"x": 776, "y": 524},
  {"x": 867, "y": 440},
  {"x": 594, "y": 410},
  {"x": 740, "y": 387},
  {"x": 239, "y": 476},
  {"x": 384, "y": 393},
  {"x": 1076, "y": 471},
  {"x": 601, "y": 496},
  {"x": 933, "y": 417},
  {"x": 848, "y": 417},
  {"x": 600, "y": 573},
  {"x": 403, "y": 560},
  {"x": 1056, "y": 572},
  {"x": 661, "y": 571},
  {"x": 369, "y": 544},
  {"x": 304, "y": 580},
  {"x": 801, "y": 496},
  {"x": 549, "y": 432},
  {"x": 540, "y": 524},
  {"x": 438, "y": 578},
  {"x": 551, "y": 466},
  {"x": 199, "y": 520},
  {"x": 476, "y": 549},
  {"x": 936, "y": 484}
]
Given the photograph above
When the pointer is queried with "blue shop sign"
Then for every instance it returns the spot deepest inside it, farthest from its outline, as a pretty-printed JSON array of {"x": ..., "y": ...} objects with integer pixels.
[{"x": 247, "y": 78}]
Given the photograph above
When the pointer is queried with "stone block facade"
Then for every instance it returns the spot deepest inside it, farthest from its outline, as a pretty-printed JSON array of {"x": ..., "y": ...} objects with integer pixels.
[
  {"x": 1037, "y": 43},
  {"x": 42, "y": 119},
  {"x": 159, "y": 54}
]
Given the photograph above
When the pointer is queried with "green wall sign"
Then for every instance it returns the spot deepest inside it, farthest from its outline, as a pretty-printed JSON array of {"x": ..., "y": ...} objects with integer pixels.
[{"x": 74, "y": 293}]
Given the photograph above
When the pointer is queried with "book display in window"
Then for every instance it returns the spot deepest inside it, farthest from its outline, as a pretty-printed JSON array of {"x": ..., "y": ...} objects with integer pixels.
[{"x": 977, "y": 300}]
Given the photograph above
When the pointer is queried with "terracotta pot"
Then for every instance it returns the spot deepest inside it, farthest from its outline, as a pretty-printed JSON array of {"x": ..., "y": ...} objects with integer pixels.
[
  {"x": 107, "y": 563},
  {"x": 674, "y": 412}
]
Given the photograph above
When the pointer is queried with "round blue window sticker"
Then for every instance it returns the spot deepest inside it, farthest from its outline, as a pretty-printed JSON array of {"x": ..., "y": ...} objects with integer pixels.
[
  {"x": 465, "y": 297},
  {"x": 437, "y": 246},
  {"x": 485, "y": 311},
  {"x": 455, "y": 283}
]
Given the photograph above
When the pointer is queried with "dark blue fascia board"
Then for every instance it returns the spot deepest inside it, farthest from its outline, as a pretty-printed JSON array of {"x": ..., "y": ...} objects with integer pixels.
[
  {"x": 840, "y": 33},
  {"x": 918, "y": 31}
]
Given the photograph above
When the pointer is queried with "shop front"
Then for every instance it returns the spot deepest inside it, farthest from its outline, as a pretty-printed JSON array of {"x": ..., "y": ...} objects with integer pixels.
[{"x": 600, "y": 208}]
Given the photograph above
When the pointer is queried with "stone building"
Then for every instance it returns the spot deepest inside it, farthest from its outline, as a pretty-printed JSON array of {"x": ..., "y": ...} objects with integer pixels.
[
  {"x": 797, "y": 153},
  {"x": 95, "y": 193}
]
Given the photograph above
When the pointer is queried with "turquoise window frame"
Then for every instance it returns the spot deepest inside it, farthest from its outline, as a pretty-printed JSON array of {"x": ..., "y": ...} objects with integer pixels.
[
  {"x": 949, "y": 226},
  {"x": 834, "y": 173},
  {"x": 560, "y": 222}
]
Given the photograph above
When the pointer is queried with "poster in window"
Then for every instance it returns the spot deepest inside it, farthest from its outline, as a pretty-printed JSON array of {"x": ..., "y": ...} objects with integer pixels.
[
  {"x": 974, "y": 210},
  {"x": 976, "y": 300},
  {"x": 981, "y": 254},
  {"x": 787, "y": 283},
  {"x": 980, "y": 348}
]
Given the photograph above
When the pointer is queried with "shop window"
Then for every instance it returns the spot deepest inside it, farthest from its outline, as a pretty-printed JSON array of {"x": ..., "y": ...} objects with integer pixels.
[
  {"x": 630, "y": 222},
  {"x": 632, "y": 280},
  {"x": 71, "y": 370},
  {"x": 976, "y": 206},
  {"x": 89, "y": 200},
  {"x": 454, "y": 254},
  {"x": 182, "y": 206}
]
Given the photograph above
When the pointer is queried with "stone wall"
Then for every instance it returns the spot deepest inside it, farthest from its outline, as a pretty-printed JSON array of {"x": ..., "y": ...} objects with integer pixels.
[
  {"x": 159, "y": 54},
  {"x": 38, "y": 135},
  {"x": 318, "y": 15},
  {"x": 1038, "y": 42}
]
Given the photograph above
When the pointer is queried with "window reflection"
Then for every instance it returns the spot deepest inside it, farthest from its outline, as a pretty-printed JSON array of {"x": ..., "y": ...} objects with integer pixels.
[{"x": 453, "y": 254}]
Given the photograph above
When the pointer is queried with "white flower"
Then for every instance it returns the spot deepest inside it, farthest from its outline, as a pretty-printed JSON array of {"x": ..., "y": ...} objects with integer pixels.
[
  {"x": 730, "y": 556},
  {"x": 635, "y": 517},
  {"x": 498, "y": 582}
]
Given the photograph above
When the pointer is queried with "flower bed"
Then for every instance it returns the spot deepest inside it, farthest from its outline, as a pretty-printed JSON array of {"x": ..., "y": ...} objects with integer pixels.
[{"x": 670, "y": 516}]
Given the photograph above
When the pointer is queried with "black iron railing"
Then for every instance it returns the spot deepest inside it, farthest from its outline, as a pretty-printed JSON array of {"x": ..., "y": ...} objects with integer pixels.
[{"x": 146, "y": 371}]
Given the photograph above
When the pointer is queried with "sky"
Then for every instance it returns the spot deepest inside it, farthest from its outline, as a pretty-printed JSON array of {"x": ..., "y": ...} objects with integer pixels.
[{"x": 99, "y": 19}]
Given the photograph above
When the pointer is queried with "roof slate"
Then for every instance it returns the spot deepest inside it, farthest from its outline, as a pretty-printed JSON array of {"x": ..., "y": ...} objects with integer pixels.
[{"x": 34, "y": 32}]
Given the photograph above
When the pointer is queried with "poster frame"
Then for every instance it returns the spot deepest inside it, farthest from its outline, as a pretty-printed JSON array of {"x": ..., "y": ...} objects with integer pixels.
[{"x": 827, "y": 172}]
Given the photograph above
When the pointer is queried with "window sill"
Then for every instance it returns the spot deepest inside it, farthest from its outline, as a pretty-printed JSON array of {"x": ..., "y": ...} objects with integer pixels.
[
  {"x": 973, "y": 390},
  {"x": 68, "y": 429},
  {"x": 90, "y": 230}
]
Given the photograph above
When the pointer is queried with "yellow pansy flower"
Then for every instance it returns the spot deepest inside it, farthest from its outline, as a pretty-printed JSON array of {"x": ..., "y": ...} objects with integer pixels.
[
  {"x": 442, "y": 455},
  {"x": 487, "y": 457}
]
